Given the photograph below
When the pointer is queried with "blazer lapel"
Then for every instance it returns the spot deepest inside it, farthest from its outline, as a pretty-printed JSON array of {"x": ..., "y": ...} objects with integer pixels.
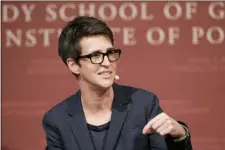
[
  {"x": 119, "y": 112},
  {"x": 78, "y": 123}
]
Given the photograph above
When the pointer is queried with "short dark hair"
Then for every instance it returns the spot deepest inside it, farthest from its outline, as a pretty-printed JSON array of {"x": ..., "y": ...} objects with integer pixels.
[{"x": 75, "y": 30}]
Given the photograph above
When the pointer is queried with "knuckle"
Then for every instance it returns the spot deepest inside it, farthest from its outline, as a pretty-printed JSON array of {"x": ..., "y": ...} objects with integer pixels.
[
  {"x": 170, "y": 127},
  {"x": 154, "y": 126},
  {"x": 169, "y": 122}
]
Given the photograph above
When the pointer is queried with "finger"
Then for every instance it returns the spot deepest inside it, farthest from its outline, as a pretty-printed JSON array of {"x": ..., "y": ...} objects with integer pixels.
[
  {"x": 155, "y": 119},
  {"x": 160, "y": 122},
  {"x": 166, "y": 130},
  {"x": 148, "y": 126},
  {"x": 164, "y": 126},
  {"x": 147, "y": 130}
]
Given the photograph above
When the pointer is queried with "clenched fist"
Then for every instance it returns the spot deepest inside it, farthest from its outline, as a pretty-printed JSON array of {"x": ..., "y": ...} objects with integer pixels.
[{"x": 164, "y": 125}]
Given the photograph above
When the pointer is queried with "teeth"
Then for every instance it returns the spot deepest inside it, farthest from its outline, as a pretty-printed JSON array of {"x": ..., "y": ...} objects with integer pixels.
[{"x": 105, "y": 73}]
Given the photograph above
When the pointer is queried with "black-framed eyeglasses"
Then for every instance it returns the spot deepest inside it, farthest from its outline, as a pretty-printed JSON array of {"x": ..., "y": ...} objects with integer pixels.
[{"x": 98, "y": 57}]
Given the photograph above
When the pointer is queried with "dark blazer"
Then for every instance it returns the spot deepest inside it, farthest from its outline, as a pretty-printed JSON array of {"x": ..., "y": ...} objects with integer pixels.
[{"x": 132, "y": 108}]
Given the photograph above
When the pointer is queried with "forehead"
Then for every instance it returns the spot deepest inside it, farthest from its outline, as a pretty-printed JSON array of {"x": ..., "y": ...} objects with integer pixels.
[{"x": 92, "y": 43}]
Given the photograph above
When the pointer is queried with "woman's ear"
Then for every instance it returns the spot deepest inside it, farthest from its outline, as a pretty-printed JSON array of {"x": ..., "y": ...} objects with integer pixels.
[{"x": 73, "y": 66}]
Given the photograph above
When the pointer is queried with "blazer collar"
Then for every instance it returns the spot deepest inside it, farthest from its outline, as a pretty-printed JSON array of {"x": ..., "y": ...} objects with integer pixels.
[{"x": 78, "y": 122}]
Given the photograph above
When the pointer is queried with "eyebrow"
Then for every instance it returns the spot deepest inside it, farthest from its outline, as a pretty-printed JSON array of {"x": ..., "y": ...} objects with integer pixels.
[{"x": 98, "y": 50}]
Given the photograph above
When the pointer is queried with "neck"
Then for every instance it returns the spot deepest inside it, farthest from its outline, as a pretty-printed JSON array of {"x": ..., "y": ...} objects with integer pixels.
[{"x": 95, "y": 99}]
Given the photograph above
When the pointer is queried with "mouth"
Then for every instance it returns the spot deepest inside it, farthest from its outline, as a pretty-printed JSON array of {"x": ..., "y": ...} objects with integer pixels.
[{"x": 105, "y": 73}]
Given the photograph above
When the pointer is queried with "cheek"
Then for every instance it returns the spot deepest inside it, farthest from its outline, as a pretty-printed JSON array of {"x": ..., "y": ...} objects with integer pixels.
[
  {"x": 114, "y": 66},
  {"x": 90, "y": 69}
]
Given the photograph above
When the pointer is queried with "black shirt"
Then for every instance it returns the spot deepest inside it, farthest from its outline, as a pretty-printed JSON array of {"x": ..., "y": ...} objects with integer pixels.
[{"x": 98, "y": 135}]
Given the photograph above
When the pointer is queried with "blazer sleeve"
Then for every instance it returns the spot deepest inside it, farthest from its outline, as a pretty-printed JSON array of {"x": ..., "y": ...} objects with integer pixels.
[
  {"x": 179, "y": 145},
  {"x": 53, "y": 138}
]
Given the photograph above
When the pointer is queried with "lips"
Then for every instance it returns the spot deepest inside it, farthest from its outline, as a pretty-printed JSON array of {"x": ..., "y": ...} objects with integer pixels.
[{"x": 105, "y": 73}]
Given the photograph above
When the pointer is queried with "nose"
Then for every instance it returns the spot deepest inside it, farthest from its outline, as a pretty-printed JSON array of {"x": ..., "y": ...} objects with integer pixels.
[{"x": 106, "y": 61}]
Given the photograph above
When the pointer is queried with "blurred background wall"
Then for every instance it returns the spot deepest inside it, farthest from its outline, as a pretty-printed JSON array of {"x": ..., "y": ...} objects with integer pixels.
[{"x": 174, "y": 49}]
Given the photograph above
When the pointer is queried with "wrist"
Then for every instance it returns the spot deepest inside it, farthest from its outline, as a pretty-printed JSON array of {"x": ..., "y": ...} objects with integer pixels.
[{"x": 183, "y": 135}]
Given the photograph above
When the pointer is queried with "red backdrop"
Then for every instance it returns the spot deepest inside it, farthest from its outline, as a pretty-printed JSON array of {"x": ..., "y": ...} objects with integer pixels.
[{"x": 174, "y": 49}]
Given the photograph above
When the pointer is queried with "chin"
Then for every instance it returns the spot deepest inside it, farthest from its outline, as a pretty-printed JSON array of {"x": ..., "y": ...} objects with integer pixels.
[{"x": 105, "y": 84}]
